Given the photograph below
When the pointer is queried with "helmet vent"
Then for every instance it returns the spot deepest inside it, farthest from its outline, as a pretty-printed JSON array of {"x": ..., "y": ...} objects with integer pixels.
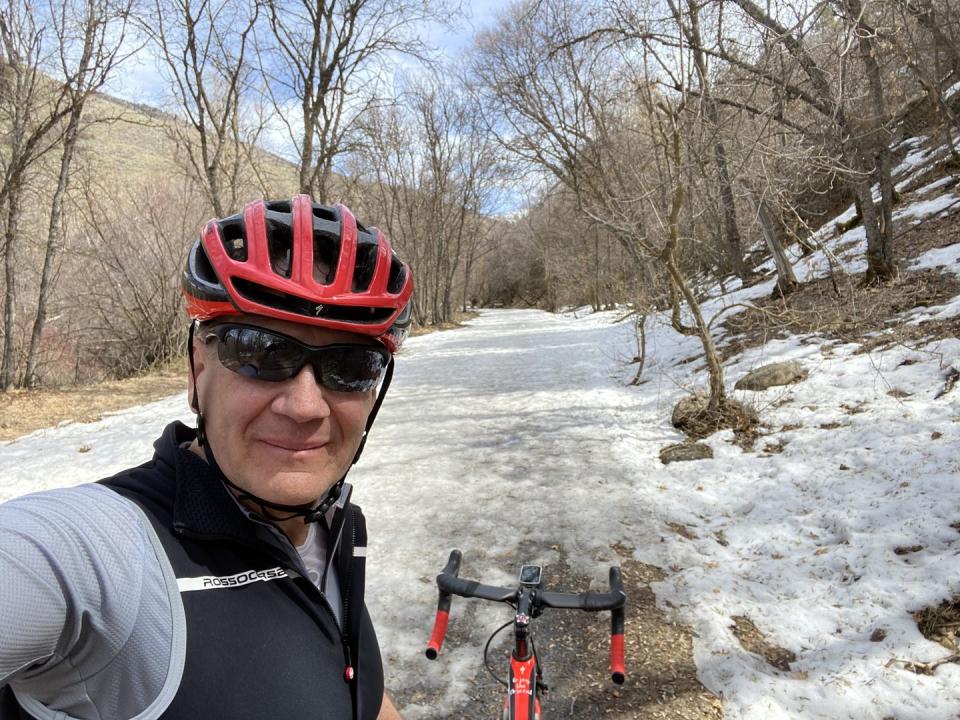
[
  {"x": 326, "y": 252},
  {"x": 324, "y": 213},
  {"x": 366, "y": 262},
  {"x": 233, "y": 235},
  {"x": 398, "y": 276},
  {"x": 204, "y": 269},
  {"x": 279, "y": 206},
  {"x": 280, "y": 245}
]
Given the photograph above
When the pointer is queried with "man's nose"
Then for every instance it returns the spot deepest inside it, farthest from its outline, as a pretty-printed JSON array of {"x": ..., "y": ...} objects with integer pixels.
[{"x": 302, "y": 398}]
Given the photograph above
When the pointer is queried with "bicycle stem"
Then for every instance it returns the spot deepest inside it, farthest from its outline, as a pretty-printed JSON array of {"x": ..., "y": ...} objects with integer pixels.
[{"x": 521, "y": 623}]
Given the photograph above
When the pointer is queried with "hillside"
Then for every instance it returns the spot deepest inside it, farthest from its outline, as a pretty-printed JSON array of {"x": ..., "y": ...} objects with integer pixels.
[{"x": 132, "y": 143}]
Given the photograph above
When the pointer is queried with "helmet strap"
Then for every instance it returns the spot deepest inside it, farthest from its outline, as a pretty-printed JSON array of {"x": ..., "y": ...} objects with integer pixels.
[{"x": 376, "y": 408}]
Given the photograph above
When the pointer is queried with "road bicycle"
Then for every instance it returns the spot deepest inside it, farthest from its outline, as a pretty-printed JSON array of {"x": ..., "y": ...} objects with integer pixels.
[{"x": 525, "y": 685}]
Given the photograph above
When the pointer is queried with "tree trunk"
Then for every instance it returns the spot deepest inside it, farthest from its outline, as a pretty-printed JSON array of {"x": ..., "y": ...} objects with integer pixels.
[
  {"x": 879, "y": 258},
  {"x": 467, "y": 270},
  {"x": 879, "y": 261},
  {"x": 774, "y": 236},
  {"x": 8, "y": 368},
  {"x": 718, "y": 392},
  {"x": 306, "y": 151},
  {"x": 731, "y": 233},
  {"x": 641, "y": 358},
  {"x": 879, "y": 255},
  {"x": 597, "y": 302},
  {"x": 732, "y": 245},
  {"x": 923, "y": 12},
  {"x": 54, "y": 238}
]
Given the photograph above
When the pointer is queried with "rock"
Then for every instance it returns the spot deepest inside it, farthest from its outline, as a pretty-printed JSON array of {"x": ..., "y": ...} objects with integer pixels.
[
  {"x": 772, "y": 375},
  {"x": 681, "y": 452}
]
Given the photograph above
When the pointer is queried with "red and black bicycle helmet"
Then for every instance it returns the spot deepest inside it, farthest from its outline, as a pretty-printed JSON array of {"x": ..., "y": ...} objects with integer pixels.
[
  {"x": 300, "y": 261},
  {"x": 303, "y": 262}
]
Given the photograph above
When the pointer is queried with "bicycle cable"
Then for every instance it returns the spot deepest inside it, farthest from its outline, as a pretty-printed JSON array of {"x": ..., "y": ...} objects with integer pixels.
[
  {"x": 540, "y": 682},
  {"x": 487, "y": 647}
]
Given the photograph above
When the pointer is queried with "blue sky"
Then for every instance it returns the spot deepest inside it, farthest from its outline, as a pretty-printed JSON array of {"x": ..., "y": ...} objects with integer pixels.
[{"x": 140, "y": 82}]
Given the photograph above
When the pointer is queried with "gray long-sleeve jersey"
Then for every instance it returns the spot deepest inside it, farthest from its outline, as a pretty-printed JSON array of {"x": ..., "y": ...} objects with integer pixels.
[{"x": 91, "y": 620}]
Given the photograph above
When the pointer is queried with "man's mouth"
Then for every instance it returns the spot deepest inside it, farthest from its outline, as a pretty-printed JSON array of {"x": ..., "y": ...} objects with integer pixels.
[{"x": 294, "y": 447}]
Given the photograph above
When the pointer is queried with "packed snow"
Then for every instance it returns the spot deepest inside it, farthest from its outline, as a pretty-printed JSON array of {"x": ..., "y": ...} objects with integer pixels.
[{"x": 517, "y": 438}]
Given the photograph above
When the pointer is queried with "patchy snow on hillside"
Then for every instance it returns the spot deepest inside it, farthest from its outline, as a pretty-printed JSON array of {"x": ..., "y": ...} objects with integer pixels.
[{"x": 518, "y": 435}]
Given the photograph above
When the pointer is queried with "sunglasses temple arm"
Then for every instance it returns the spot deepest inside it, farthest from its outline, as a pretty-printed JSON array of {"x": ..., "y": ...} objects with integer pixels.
[{"x": 376, "y": 408}]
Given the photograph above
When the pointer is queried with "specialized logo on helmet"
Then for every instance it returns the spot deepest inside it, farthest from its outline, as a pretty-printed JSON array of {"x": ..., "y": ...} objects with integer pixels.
[{"x": 318, "y": 310}]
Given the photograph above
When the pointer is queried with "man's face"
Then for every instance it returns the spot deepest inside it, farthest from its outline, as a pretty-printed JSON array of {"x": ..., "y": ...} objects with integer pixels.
[{"x": 287, "y": 442}]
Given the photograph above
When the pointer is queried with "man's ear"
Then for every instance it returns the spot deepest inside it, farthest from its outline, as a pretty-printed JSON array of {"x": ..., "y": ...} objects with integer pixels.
[{"x": 199, "y": 350}]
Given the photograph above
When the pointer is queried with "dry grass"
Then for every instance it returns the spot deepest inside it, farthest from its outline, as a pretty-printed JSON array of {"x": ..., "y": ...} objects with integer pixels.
[
  {"x": 752, "y": 640},
  {"x": 682, "y": 530},
  {"x": 23, "y": 411},
  {"x": 458, "y": 319},
  {"x": 696, "y": 420},
  {"x": 858, "y": 315},
  {"x": 941, "y": 623}
]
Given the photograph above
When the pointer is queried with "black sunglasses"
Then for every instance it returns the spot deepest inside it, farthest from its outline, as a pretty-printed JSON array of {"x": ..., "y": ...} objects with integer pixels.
[{"x": 262, "y": 354}]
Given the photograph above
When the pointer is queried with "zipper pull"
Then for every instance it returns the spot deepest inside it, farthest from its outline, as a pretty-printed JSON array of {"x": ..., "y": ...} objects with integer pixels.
[{"x": 348, "y": 672}]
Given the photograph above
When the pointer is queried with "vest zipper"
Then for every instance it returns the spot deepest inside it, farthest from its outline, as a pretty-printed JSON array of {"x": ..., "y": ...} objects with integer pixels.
[{"x": 349, "y": 672}]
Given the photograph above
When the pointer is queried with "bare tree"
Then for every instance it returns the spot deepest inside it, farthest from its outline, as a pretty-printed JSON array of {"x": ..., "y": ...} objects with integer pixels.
[
  {"x": 864, "y": 149},
  {"x": 934, "y": 64},
  {"x": 99, "y": 31},
  {"x": 730, "y": 233},
  {"x": 134, "y": 316},
  {"x": 324, "y": 66},
  {"x": 432, "y": 170},
  {"x": 41, "y": 66},
  {"x": 942, "y": 25},
  {"x": 771, "y": 227},
  {"x": 855, "y": 130},
  {"x": 206, "y": 48},
  {"x": 555, "y": 96}
]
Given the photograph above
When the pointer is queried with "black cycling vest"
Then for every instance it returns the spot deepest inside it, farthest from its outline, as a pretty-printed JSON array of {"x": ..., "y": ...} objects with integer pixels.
[{"x": 270, "y": 648}]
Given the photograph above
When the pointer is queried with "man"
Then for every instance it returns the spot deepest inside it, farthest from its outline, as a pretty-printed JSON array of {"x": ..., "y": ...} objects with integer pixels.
[{"x": 225, "y": 577}]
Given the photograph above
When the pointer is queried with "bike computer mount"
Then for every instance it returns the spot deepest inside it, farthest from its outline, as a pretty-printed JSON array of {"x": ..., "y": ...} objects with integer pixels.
[{"x": 530, "y": 575}]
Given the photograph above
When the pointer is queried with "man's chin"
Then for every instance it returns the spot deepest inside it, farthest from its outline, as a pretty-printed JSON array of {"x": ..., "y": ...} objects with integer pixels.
[{"x": 296, "y": 488}]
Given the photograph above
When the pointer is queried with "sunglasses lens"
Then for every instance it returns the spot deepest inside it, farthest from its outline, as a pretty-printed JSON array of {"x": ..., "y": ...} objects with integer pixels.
[
  {"x": 356, "y": 368},
  {"x": 258, "y": 354},
  {"x": 263, "y": 355}
]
